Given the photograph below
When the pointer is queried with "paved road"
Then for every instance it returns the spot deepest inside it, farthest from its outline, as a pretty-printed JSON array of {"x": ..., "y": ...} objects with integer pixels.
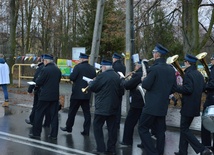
[
  {"x": 14, "y": 132},
  {"x": 14, "y": 137}
]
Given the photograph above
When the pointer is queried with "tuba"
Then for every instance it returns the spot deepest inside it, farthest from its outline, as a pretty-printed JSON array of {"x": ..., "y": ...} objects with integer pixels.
[
  {"x": 201, "y": 58},
  {"x": 174, "y": 61}
]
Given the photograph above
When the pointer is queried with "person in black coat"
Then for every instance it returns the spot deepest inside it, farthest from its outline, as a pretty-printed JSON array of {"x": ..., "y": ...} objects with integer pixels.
[
  {"x": 158, "y": 84},
  {"x": 48, "y": 81},
  {"x": 78, "y": 98},
  {"x": 118, "y": 66},
  {"x": 36, "y": 91},
  {"x": 136, "y": 104},
  {"x": 191, "y": 90},
  {"x": 206, "y": 136},
  {"x": 107, "y": 89}
]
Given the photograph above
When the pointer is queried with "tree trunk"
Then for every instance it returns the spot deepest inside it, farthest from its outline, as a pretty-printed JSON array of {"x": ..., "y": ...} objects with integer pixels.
[{"x": 12, "y": 39}]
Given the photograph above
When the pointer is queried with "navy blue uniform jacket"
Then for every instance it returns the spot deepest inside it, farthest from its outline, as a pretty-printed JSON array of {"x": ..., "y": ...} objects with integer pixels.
[
  {"x": 38, "y": 70},
  {"x": 48, "y": 81},
  {"x": 107, "y": 92},
  {"x": 191, "y": 90},
  {"x": 80, "y": 70},
  {"x": 159, "y": 84},
  {"x": 136, "y": 97}
]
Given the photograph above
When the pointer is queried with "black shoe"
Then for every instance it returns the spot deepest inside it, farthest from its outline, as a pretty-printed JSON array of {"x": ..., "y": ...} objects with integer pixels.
[
  {"x": 84, "y": 133},
  {"x": 177, "y": 153},
  {"x": 52, "y": 138},
  {"x": 34, "y": 137},
  {"x": 207, "y": 152},
  {"x": 125, "y": 144},
  {"x": 65, "y": 129},
  {"x": 28, "y": 121},
  {"x": 140, "y": 146}
]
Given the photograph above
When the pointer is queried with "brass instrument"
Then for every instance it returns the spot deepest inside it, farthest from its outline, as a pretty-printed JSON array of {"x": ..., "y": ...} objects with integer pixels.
[
  {"x": 128, "y": 75},
  {"x": 85, "y": 90},
  {"x": 174, "y": 61},
  {"x": 98, "y": 71},
  {"x": 152, "y": 59},
  {"x": 201, "y": 57},
  {"x": 139, "y": 87},
  {"x": 34, "y": 66}
]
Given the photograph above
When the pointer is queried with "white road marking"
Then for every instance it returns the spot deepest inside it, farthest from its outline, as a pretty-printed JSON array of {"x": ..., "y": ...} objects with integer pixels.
[{"x": 20, "y": 139}]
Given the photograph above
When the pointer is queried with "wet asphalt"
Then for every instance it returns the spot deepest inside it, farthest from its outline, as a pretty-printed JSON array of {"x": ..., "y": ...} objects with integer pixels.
[{"x": 14, "y": 139}]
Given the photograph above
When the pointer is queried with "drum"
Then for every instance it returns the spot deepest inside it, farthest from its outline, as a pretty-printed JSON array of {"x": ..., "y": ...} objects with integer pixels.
[{"x": 208, "y": 118}]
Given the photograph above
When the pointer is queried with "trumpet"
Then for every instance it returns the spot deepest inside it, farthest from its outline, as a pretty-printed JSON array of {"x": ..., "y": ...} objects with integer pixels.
[
  {"x": 34, "y": 66},
  {"x": 98, "y": 71},
  {"x": 128, "y": 75},
  {"x": 85, "y": 90}
]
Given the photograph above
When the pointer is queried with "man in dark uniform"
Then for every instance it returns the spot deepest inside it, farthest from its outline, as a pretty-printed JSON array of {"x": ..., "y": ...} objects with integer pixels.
[
  {"x": 107, "y": 89},
  {"x": 136, "y": 104},
  {"x": 48, "y": 81},
  {"x": 78, "y": 98},
  {"x": 118, "y": 66},
  {"x": 206, "y": 136},
  {"x": 36, "y": 90},
  {"x": 158, "y": 84},
  {"x": 191, "y": 90}
]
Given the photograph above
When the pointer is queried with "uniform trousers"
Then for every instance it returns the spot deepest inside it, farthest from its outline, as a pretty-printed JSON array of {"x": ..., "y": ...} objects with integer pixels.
[
  {"x": 74, "y": 106},
  {"x": 98, "y": 123},
  {"x": 206, "y": 136},
  {"x": 41, "y": 108},
  {"x": 130, "y": 122},
  {"x": 119, "y": 113},
  {"x": 147, "y": 122},
  {"x": 187, "y": 137},
  {"x": 4, "y": 88},
  {"x": 32, "y": 114}
]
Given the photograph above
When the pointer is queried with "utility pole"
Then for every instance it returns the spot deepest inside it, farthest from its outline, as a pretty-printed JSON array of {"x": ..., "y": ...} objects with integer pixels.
[
  {"x": 129, "y": 45},
  {"x": 97, "y": 32}
]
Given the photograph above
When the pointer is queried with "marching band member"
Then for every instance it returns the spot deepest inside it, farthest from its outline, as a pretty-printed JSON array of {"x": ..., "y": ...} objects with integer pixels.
[
  {"x": 206, "y": 136},
  {"x": 136, "y": 104},
  {"x": 158, "y": 84},
  {"x": 107, "y": 89},
  {"x": 191, "y": 90},
  {"x": 36, "y": 91},
  {"x": 48, "y": 81},
  {"x": 78, "y": 98},
  {"x": 118, "y": 66}
]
